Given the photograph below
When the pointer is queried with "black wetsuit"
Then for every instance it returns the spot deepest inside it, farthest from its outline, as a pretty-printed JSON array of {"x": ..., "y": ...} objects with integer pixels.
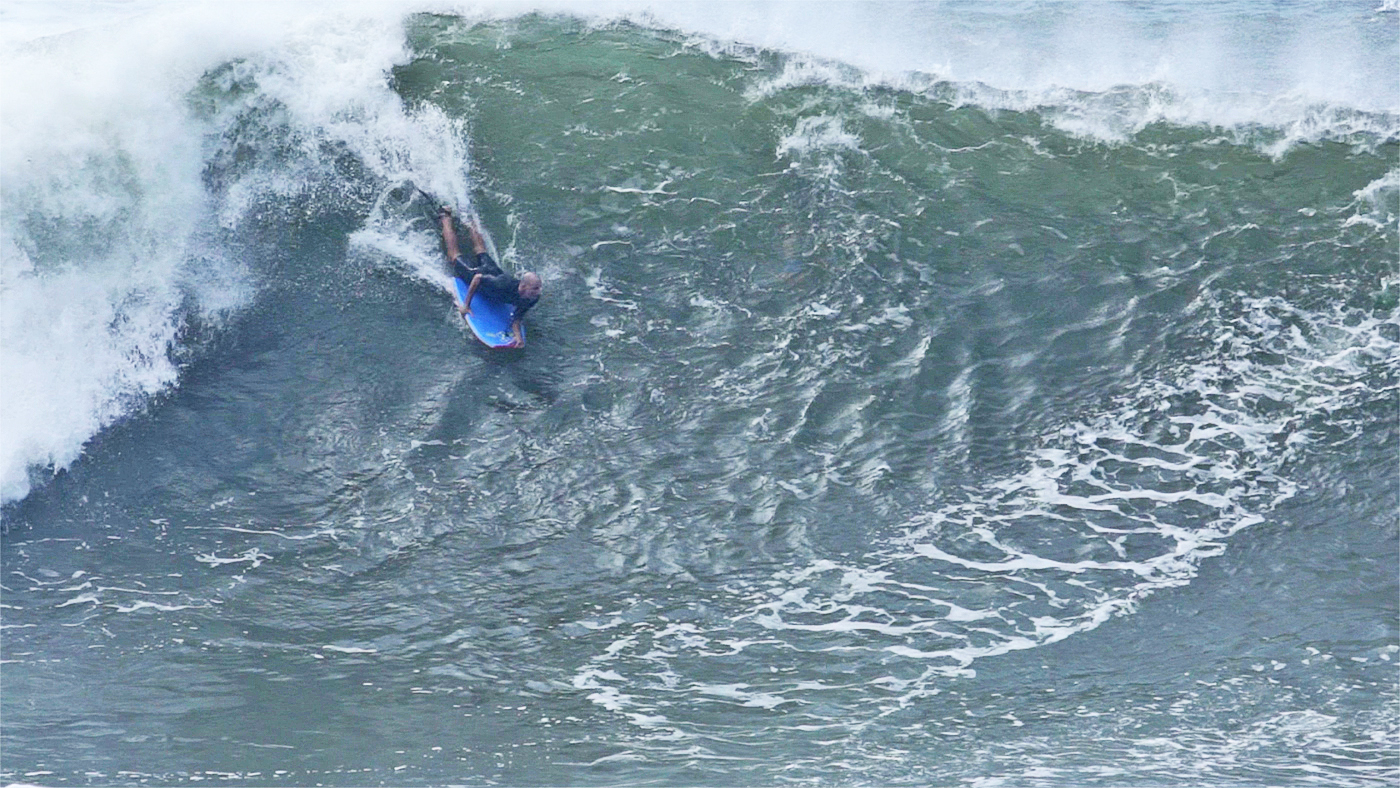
[{"x": 495, "y": 283}]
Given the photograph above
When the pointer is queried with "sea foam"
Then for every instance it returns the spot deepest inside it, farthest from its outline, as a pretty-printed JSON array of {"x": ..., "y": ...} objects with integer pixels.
[{"x": 109, "y": 241}]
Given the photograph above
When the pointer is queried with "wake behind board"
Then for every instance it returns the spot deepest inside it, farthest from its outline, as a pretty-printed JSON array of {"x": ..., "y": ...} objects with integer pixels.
[{"x": 490, "y": 319}]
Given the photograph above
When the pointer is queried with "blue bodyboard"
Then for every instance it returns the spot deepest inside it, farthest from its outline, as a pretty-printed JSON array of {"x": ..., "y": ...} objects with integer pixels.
[{"x": 490, "y": 319}]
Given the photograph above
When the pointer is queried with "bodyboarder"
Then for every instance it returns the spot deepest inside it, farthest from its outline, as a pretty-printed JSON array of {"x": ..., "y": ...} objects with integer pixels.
[{"x": 488, "y": 277}]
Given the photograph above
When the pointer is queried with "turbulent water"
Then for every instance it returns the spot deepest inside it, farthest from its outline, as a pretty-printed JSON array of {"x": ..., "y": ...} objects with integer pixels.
[{"x": 945, "y": 394}]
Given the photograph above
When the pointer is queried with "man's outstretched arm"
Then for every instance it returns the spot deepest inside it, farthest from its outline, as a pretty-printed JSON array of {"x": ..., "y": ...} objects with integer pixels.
[{"x": 466, "y": 307}]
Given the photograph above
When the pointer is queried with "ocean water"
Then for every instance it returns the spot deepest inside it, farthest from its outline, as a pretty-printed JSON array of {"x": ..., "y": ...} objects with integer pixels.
[{"x": 989, "y": 394}]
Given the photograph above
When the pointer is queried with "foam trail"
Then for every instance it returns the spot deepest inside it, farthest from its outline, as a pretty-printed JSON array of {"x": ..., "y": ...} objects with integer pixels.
[{"x": 1078, "y": 537}]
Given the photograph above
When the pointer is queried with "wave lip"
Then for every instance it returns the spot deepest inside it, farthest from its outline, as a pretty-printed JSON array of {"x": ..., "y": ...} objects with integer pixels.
[
  {"x": 95, "y": 252},
  {"x": 112, "y": 242},
  {"x": 1102, "y": 71}
]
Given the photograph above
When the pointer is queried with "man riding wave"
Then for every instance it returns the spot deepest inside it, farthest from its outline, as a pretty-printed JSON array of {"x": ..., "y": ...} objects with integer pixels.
[{"x": 485, "y": 275}]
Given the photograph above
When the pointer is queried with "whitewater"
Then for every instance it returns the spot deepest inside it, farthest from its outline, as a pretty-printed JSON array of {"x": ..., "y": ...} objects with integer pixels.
[{"x": 937, "y": 393}]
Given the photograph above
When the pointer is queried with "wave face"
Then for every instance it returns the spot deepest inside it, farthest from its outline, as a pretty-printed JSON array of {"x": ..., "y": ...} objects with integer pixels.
[{"x": 922, "y": 393}]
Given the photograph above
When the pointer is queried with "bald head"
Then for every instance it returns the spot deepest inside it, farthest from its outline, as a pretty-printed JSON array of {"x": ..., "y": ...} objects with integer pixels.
[{"x": 530, "y": 285}]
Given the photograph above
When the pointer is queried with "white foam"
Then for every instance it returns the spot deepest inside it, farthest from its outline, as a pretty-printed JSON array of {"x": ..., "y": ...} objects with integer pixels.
[
  {"x": 817, "y": 133},
  {"x": 252, "y": 556},
  {"x": 95, "y": 234},
  {"x": 1375, "y": 203},
  {"x": 105, "y": 248},
  {"x": 142, "y": 604},
  {"x": 740, "y": 692},
  {"x": 1100, "y": 70},
  {"x": 1229, "y": 452}
]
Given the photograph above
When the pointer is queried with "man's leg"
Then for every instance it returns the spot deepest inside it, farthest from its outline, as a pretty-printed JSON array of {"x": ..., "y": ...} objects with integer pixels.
[
  {"x": 481, "y": 259},
  {"x": 449, "y": 234},
  {"x": 478, "y": 243}
]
